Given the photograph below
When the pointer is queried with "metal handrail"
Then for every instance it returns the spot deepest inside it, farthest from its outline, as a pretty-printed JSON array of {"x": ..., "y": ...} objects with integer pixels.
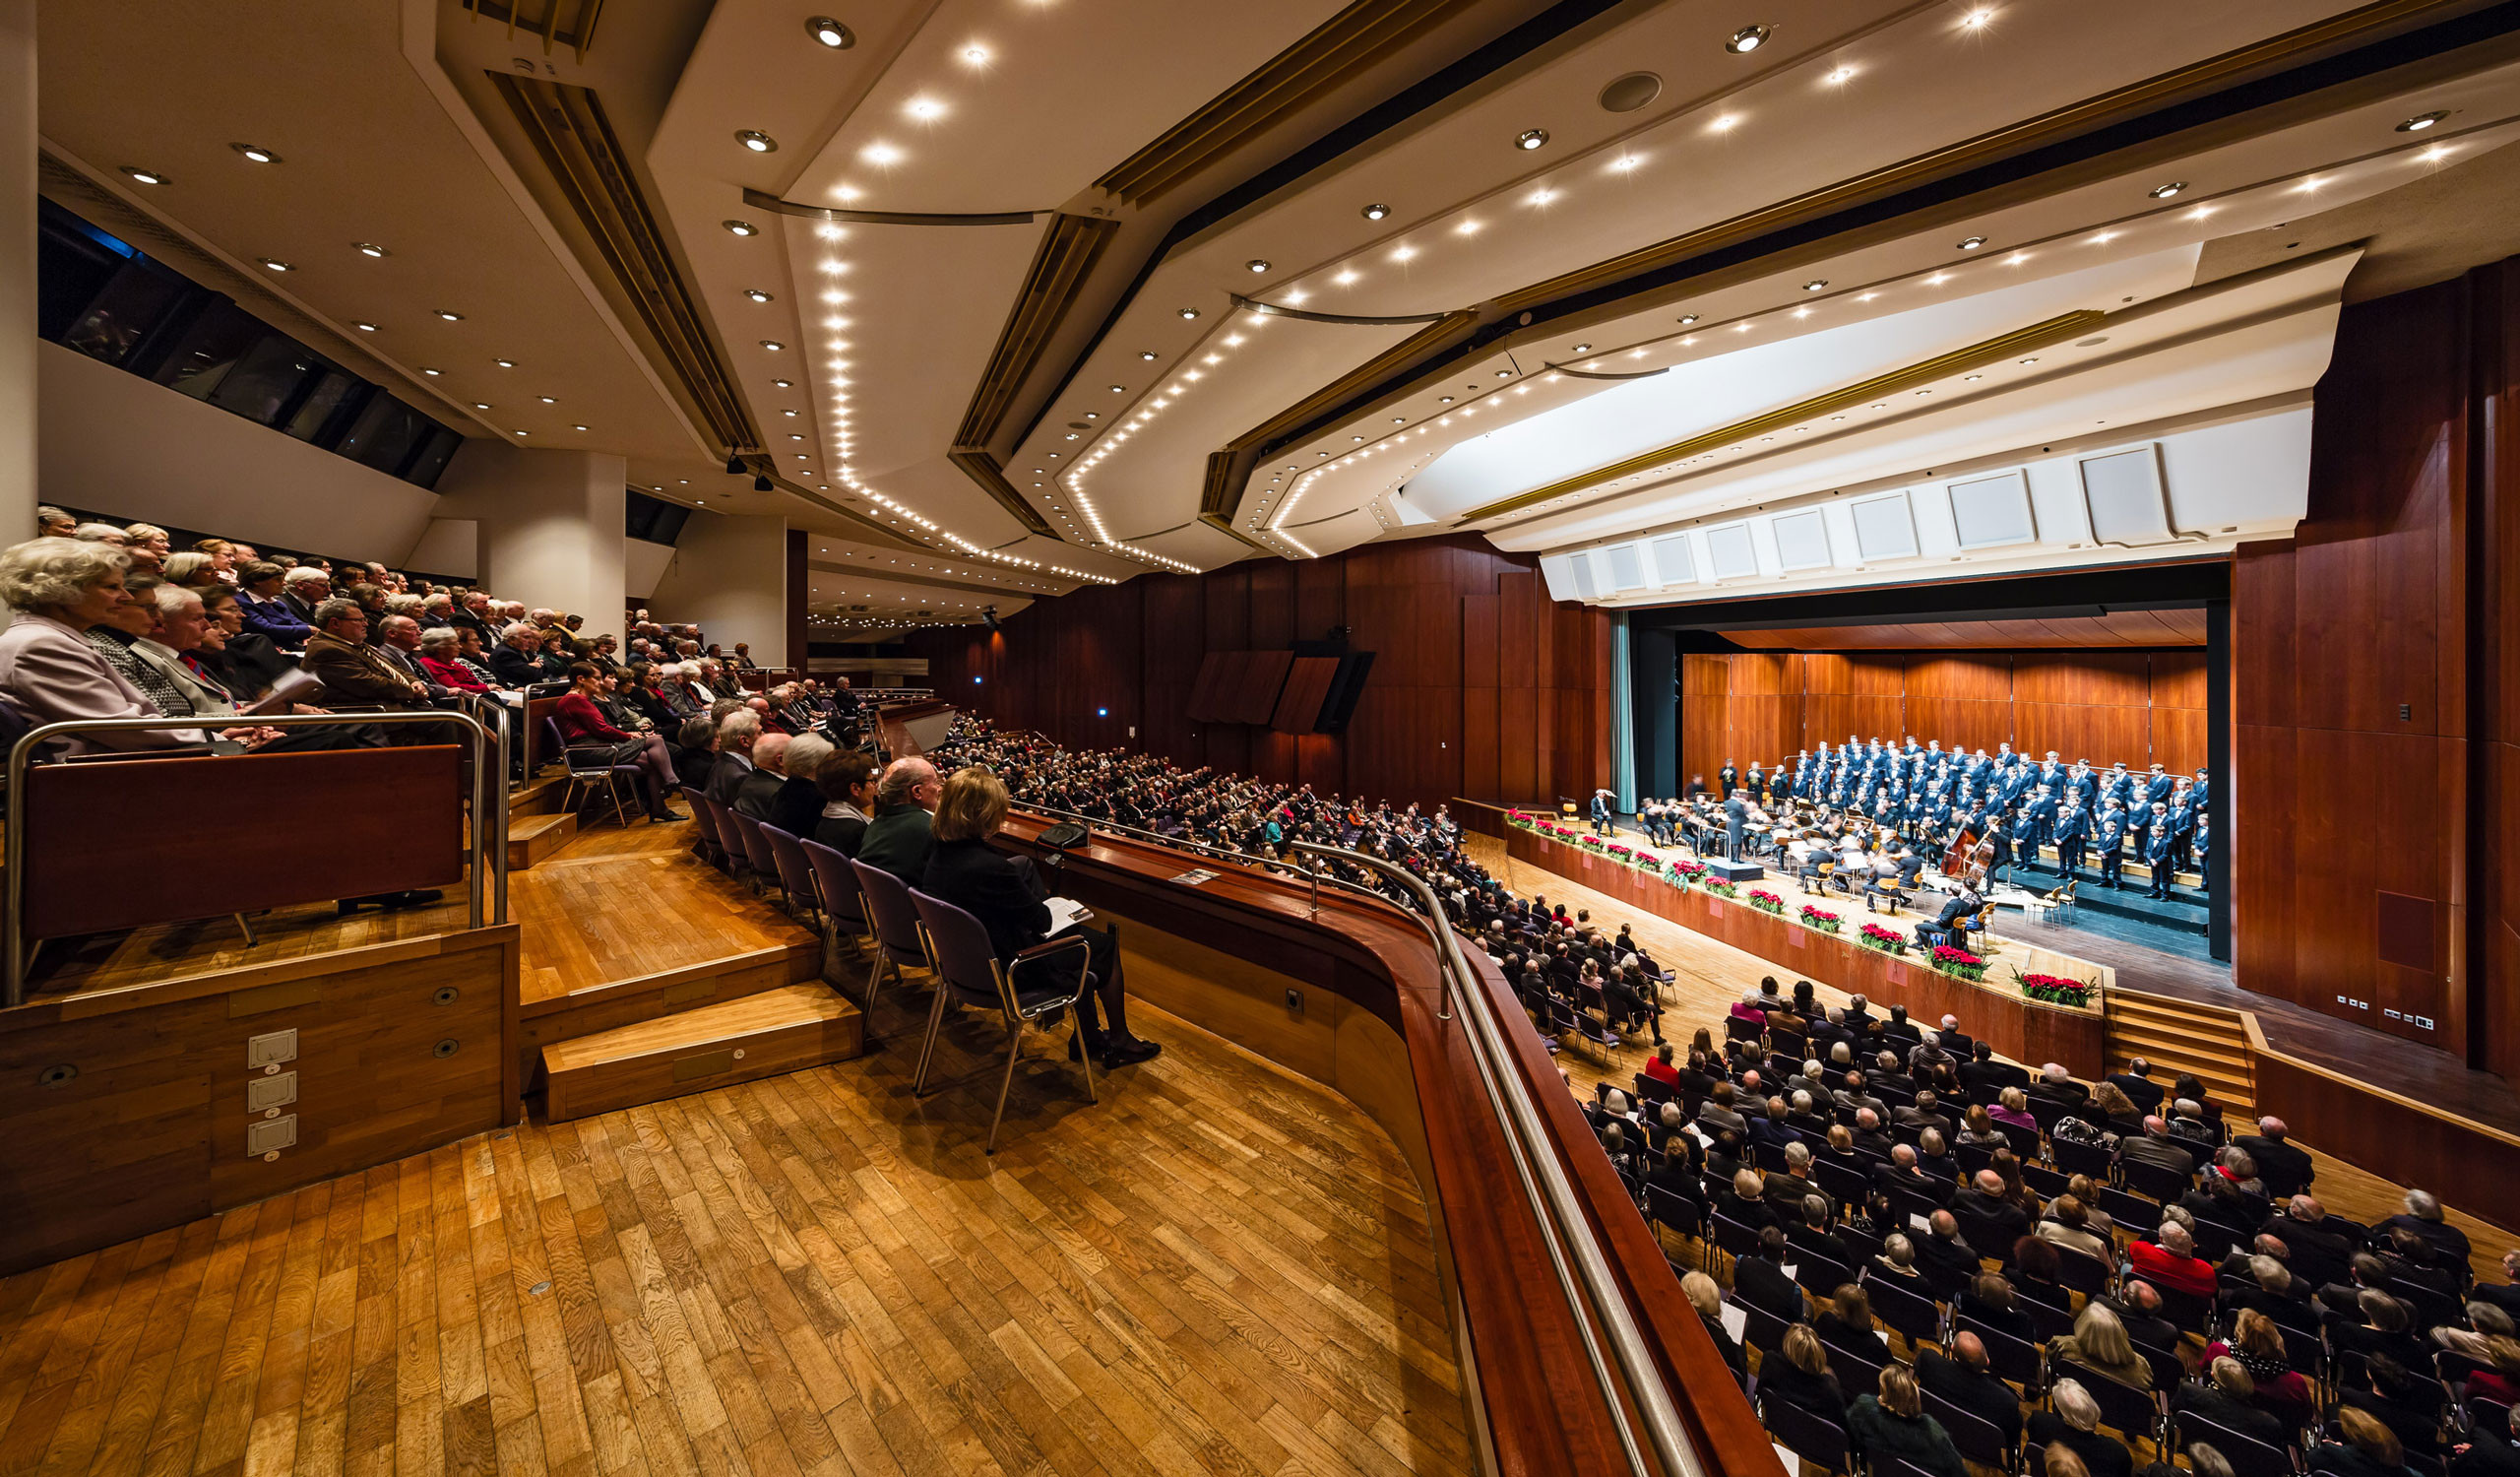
[
  {"x": 1574, "y": 1250},
  {"x": 490, "y": 796}
]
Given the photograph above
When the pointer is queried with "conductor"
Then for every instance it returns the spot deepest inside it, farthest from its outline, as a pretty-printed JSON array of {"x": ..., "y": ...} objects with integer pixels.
[{"x": 1737, "y": 821}]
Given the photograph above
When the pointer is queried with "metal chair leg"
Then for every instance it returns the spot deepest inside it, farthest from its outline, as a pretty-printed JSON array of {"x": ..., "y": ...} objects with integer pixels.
[
  {"x": 1005, "y": 1085},
  {"x": 246, "y": 929},
  {"x": 875, "y": 979},
  {"x": 927, "y": 1051},
  {"x": 1082, "y": 1055}
]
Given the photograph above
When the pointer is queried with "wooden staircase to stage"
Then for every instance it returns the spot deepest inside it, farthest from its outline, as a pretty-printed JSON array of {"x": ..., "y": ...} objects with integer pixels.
[{"x": 2182, "y": 1035}]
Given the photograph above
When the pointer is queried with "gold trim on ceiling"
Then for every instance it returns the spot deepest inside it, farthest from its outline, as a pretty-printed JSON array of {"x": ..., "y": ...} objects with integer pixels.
[
  {"x": 571, "y": 132},
  {"x": 982, "y": 467},
  {"x": 2054, "y": 329},
  {"x": 1306, "y": 315},
  {"x": 1329, "y": 57}
]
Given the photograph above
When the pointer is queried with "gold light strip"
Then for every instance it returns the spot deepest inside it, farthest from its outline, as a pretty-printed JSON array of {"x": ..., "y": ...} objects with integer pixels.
[{"x": 1987, "y": 351}]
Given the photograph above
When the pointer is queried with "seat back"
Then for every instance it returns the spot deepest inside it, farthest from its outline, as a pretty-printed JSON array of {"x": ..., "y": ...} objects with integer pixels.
[
  {"x": 2132, "y": 1212},
  {"x": 796, "y": 873},
  {"x": 1815, "y": 1439},
  {"x": 836, "y": 884},
  {"x": 721, "y": 823},
  {"x": 2248, "y": 1456},
  {"x": 2130, "y": 1410},
  {"x": 890, "y": 909},
  {"x": 1902, "y": 1306},
  {"x": 962, "y": 954},
  {"x": 1980, "y": 1439},
  {"x": 1858, "y": 1371},
  {"x": 2156, "y": 1181},
  {"x": 756, "y": 846},
  {"x": 2015, "y": 1358}
]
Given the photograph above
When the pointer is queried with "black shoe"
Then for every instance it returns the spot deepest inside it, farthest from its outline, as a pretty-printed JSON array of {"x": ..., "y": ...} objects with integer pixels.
[
  {"x": 1079, "y": 1042},
  {"x": 350, "y": 905},
  {"x": 665, "y": 816},
  {"x": 1128, "y": 1051}
]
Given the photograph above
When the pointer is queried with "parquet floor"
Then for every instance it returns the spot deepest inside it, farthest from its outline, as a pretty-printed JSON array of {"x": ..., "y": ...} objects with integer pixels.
[
  {"x": 1219, "y": 1269},
  {"x": 577, "y": 934},
  {"x": 1709, "y": 976}
]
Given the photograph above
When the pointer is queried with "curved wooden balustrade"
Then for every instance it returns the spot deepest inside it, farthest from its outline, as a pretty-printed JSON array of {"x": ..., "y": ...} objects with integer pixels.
[{"x": 1535, "y": 1395}]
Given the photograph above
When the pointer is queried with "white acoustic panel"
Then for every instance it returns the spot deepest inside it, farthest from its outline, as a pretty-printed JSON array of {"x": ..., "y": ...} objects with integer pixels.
[
  {"x": 1672, "y": 561},
  {"x": 1802, "y": 541},
  {"x": 1729, "y": 553},
  {"x": 2123, "y": 491},
  {"x": 1627, "y": 568},
  {"x": 1884, "y": 527},
  {"x": 1991, "y": 511},
  {"x": 1581, "y": 567}
]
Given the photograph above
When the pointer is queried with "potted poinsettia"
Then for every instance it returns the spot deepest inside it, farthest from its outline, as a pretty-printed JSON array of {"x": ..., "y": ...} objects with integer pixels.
[
  {"x": 1593, "y": 843},
  {"x": 1684, "y": 872},
  {"x": 1718, "y": 886},
  {"x": 2057, "y": 990},
  {"x": 1622, "y": 853},
  {"x": 1766, "y": 902},
  {"x": 1887, "y": 940},
  {"x": 1958, "y": 963},
  {"x": 1825, "y": 922}
]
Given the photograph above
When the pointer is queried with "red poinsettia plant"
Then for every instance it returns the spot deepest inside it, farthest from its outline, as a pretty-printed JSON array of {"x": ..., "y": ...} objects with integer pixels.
[
  {"x": 1887, "y": 940},
  {"x": 2057, "y": 990},
  {"x": 1766, "y": 902},
  {"x": 1826, "y": 922},
  {"x": 1960, "y": 962}
]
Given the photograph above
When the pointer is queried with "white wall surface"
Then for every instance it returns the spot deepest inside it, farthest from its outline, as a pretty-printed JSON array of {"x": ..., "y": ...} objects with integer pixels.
[
  {"x": 550, "y": 524},
  {"x": 643, "y": 564},
  {"x": 730, "y": 576}
]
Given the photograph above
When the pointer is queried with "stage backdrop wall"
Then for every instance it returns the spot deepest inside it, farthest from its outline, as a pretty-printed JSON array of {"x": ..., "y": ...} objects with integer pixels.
[
  {"x": 2375, "y": 695},
  {"x": 1481, "y": 685},
  {"x": 2139, "y": 707}
]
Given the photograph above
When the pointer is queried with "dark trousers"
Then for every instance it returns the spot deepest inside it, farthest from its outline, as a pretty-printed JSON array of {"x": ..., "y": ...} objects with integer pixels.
[
  {"x": 2113, "y": 866},
  {"x": 1732, "y": 845},
  {"x": 2069, "y": 855},
  {"x": 2161, "y": 877},
  {"x": 1102, "y": 957}
]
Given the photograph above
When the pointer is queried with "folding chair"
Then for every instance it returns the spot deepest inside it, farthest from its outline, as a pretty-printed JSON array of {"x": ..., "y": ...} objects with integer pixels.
[
  {"x": 1980, "y": 1439},
  {"x": 2131, "y": 1213},
  {"x": 796, "y": 872},
  {"x": 970, "y": 973},
  {"x": 1859, "y": 1374},
  {"x": 1676, "y": 1213},
  {"x": 1973, "y": 1157},
  {"x": 1815, "y": 1439},
  {"x": 2156, "y": 1182},
  {"x": 2024, "y": 1141},
  {"x": 835, "y": 890},
  {"x": 756, "y": 849},
  {"x": 1846, "y": 1186},
  {"x": 897, "y": 939},
  {"x": 2248, "y": 1456},
  {"x": 722, "y": 820},
  {"x": 2087, "y": 1275},
  {"x": 1818, "y": 1275},
  {"x": 712, "y": 846},
  {"x": 2136, "y": 1412},
  {"x": 2047, "y": 1113},
  {"x": 1914, "y": 1315},
  {"x": 2080, "y": 1158},
  {"x": 599, "y": 776},
  {"x": 1761, "y": 1330},
  {"x": 2046, "y": 1181}
]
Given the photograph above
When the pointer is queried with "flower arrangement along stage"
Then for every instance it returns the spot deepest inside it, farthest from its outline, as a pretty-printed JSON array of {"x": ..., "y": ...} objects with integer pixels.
[
  {"x": 2057, "y": 990},
  {"x": 1620, "y": 852},
  {"x": 1766, "y": 902},
  {"x": 1592, "y": 842},
  {"x": 1685, "y": 872},
  {"x": 1826, "y": 922},
  {"x": 1718, "y": 887},
  {"x": 1959, "y": 963},
  {"x": 1887, "y": 940}
]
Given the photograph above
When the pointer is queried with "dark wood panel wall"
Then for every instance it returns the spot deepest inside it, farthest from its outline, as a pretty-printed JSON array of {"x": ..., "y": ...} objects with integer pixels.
[
  {"x": 1481, "y": 685},
  {"x": 2105, "y": 706},
  {"x": 2374, "y": 698}
]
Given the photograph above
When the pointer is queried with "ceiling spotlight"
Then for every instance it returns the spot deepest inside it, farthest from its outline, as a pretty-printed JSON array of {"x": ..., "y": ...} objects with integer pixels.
[
  {"x": 762, "y": 484},
  {"x": 548, "y": 399},
  {"x": 480, "y": 404},
  {"x": 257, "y": 153},
  {"x": 1188, "y": 312},
  {"x": 1376, "y": 212},
  {"x": 1256, "y": 264},
  {"x": 785, "y": 384},
  {"x": 1583, "y": 348},
  {"x": 756, "y": 141},
  {"x": 1813, "y": 286},
  {"x": 365, "y": 328},
  {"x": 1747, "y": 39},
  {"x": 1687, "y": 318},
  {"x": 2164, "y": 192},
  {"x": 432, "y": 373},
  {"x": 741, "y": 227},
  {"x": 274, "y": 266},
  {"x": 1531, "y": 138},
  {"x": 2422, "y": 121},
  {"x": 577, "y": 427},
  {"x": 756, "y": 295},
  {"x": 143, "y": 176},
  {"x": 773, "y": 345},
  {"x": 1972, "y": 243},
  {"x": 504, "y": 364},
  {"x": 830, "y": 32},
  {"x": 976, "y": 54}
]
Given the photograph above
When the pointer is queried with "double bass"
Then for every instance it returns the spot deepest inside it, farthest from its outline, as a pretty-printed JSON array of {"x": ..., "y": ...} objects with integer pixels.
[{"x": 1966, "y": 851}]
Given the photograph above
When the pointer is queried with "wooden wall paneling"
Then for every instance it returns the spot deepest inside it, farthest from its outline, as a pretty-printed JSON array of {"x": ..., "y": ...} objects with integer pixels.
[
  {"x": 1878, "y": 675},
  {"x": 2177, "y": 679},
  {"x": 2264, "y": 643},
  {"x": 1965, "y": 679},
  {"x": 2407, "y": 776},
  {"x": 1273, "y": 602},
  {"x": 2263, "y": 866},
  {"x": 1321, "y": 597},
  {"x": 2083, "y": 678},
  {"x": 1227, "y": 594},
  {"x": 1299, "y": 701},
  {"x": 2179, "y": 740},
  {"x": 1480, "y": 747},
  {"x": 1518, "y": 772},
  {"x": 1209, "y": 683},
  {"x": 1264, "y": 677}
]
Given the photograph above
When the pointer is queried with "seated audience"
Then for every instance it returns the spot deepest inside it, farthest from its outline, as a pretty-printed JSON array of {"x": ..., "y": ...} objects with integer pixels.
[
  {"x": 2074, "y": 1423},
  {"x": 1894, "y": 1425},
  {"x": 592, "y": 741}
]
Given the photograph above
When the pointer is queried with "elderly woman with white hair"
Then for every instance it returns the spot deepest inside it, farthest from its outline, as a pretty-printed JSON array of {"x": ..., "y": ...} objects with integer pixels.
[{"x": 56, "y": 589}]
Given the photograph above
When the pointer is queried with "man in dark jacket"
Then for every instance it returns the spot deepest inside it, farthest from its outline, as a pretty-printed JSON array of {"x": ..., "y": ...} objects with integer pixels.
[
  {"x": 902, "y": 835},
  {"x": 1964, "y": 1380},
  {"x": 2282, "y": 1168}
]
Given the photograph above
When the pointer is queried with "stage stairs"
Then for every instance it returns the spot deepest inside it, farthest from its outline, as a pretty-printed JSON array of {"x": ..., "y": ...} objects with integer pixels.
[
  {"x": 741, "y": 1040},
  {"x": 2183, "y": 1036}
]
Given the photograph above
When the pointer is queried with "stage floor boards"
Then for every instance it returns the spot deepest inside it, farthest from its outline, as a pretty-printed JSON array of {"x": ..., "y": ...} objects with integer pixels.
[
  {"x": 1219, "y": 1268},
  {"x": 623, "y": 902},
  {"x": 1710, "y": 976}
]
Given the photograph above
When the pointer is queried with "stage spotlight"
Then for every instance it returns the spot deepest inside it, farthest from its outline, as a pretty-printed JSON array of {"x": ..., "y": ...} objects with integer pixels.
[
  {"x": 736, "y": 466},
  {"x": 763, "y": 484},
  {"x": 989, "y": 617}
]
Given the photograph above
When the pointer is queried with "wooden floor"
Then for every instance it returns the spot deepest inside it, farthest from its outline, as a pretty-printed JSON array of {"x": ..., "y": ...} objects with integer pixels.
[
  {"x": 679, "y": 911},
  {"x": 1710, "y": 976},
  {"x": 1219, "y": 1269}
]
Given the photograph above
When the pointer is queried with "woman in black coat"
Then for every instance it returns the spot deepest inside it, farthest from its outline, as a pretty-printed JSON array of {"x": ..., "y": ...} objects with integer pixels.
[{"x": 1005, "y": 893}]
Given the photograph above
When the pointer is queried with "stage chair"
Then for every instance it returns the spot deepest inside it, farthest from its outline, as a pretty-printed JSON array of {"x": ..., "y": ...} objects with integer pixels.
[
  {"x": 597, "y": 776},
  {"x": 969, "y": 973},
  {"x": 835, "y": 889}
]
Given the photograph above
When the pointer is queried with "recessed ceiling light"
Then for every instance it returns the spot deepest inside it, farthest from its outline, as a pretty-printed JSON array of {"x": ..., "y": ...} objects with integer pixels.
[
  {"x": 757, "y": 294},
  {"x": 976, "y": 56},
  {"x": 1815, "y": 285},
  {"x": 2422, "y": 121},
  {"x": 756, "y": 141},
  {"x": 1256, "y": 264},
  {"x": 785, "y": 384},
  {"x": 1187, "y": 313},
  {"x": 830, "y": 32},
  {"x": 1973, "y": 376},
  {"x": 1747, "y": 39},
  {"x": 773, "y": 345},
  {"x": 548, "y": 400},
  {"x": 521, "y": 433},
  {"x": 480, "y": 404},
  {"x": 365, "y": 328},
  {"x": 370, "y": 248},
  {"x": 1972, "y": 243},
  {"x": 1376, "y": 212},
  {"x": 2164, "y": 191},
  {"x": 256, "y": 153},
  {"x": 143, "y": 176},
  {"x": 1840, "y": 77},
  {"x": 1583, "y": 348},
  {"x": 2033, "y": 359},
  {"x": 577, "y": 427},
  {"x": 741, "y": 227},
  {"x": 1531, "y": 138},
  {"x": 274, "y": 266},
  {"x": 432, "y": 373},
  {"x": 1688, "y": 318},
  {"x": 1976, "y": 18},
  {"x": 504, "y": 364},
  {"x": 1447, "y": 400}
]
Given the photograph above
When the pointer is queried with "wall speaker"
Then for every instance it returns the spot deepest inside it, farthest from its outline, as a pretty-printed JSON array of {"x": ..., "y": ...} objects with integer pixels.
[
  {"x": 1728, "y": 551},
  {"x": 1992, "y": 511},
  {"x": 1580, "y": 567},
  {"x": 1627, "y": 569},
  {"x": 1671, "y": 562},
  {"x": 2126, "y": 496},
  {"x": 1802, "y": 541}
]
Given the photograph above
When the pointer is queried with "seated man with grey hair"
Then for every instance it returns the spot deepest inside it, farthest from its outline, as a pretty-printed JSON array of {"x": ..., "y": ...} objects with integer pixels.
[
  {"x": 513, "y": 658},
  {"x": 797, "y": 807},
  {"x": 769, "y": 775},
  {"x": 902, "y": 836},
  {"x": 737, "y": 732}
]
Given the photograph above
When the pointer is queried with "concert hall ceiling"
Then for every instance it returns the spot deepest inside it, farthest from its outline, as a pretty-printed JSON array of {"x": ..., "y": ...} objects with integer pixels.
[{"x": 1693, "y": 302}]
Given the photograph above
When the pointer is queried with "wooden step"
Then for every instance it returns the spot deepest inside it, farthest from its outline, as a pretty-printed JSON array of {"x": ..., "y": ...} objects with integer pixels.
[
  {"x": 530, "y": 838},
  {"x": 2162, "y": 1042},
  {"x": 538, "y": 796},
  {"x": 762, "y": 1035},
  {"x": 2131, "y": 1002}
]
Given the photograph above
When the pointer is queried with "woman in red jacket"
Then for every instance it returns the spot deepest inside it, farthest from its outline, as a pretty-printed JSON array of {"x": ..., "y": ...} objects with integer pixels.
[{"x": 589, "y": 738}]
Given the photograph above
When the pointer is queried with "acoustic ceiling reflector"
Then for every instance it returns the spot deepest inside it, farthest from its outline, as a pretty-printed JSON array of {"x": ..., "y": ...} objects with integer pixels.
[
  {"x": 1672, "y": 561},
  {"x": 1884, "y": 527},
  {"x": 1802, "y": 541},
  {"x": 1581, "y": 567},
  {"x": 2123, "y": 491},
  {"x": 1728, "y": 551},
  {"x": 1991, "y": 511},
  {"x": 1627, "y": 570}
]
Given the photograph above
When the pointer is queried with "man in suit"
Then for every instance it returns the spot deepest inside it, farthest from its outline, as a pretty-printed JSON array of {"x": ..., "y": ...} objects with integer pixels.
[
  {"x": 2055, "y": 1085},
  {"x": 2109, "y": 832},
  {"x": 2159, "y": 846},
  {"x": 1902, "y": 1173},
  {"x": 2157, "y": 788},
  {"x": 2073, "y": 834},
  {"x": 2155, "y": 1146},
  {"x": 352, "y": 672},
  {"x": 1761, "y": 1282},
  {"x": 1984, "y": 1077},
  {"x": 1949, "y": 1037},
  {"x": 1943, "y": 1254},
  {"x": 1963, "y": 1379},
  {"x": 302, "y": 589},
  {"x": 1736, "y": 826},
  {"x": 1984, "y": 1202},
  {"x": 1724, "y": 779},
  {"x": 2136, "y": 1081},
  {"x": 737, "y": 732},
  {"x": 756, "y": 792},
  {"x": 2285, "y": 1169},
  {"x": 902, "y": 836}
]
